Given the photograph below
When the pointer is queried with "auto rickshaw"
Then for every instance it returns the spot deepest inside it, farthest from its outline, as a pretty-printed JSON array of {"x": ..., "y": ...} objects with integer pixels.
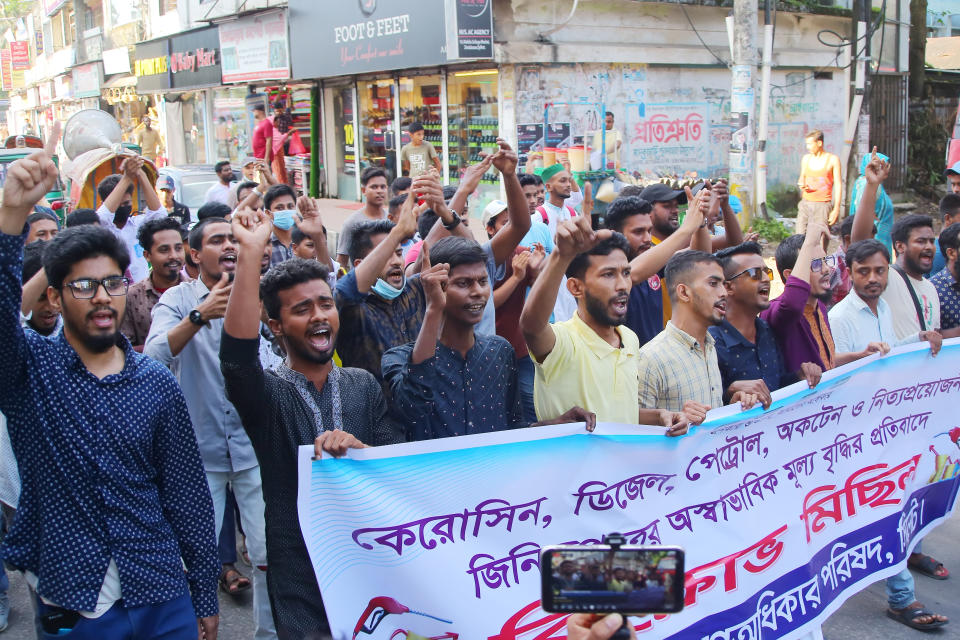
[
  {"x": 89, "y": 168},
  {"x": 56, "y": 198}
]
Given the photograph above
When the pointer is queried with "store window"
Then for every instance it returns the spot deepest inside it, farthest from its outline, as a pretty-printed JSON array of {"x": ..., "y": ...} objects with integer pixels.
[
  {"x": 194, "y": 132},
  {"x": 473, "y": 117},
  {"x": 346, "y": 140},
  {"x": 230, "y": 124},
  {"x": 420, "y": 98},
  {"x": 377, "y": 121}
]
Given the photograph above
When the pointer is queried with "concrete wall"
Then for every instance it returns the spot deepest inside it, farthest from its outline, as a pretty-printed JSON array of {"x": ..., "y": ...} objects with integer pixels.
[{"x": 669, "y": 94}]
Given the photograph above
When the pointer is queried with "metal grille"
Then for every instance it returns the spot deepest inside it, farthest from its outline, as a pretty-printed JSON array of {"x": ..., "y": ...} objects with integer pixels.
[{"x": 888, "y": 124}]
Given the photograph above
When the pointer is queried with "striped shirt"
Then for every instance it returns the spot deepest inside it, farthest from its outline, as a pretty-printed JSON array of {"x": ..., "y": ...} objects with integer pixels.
[{"x": 675, "y": 369}]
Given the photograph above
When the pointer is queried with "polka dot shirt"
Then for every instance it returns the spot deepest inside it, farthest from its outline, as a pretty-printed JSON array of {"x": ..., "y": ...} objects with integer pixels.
[{"x": 110, "y": 469}]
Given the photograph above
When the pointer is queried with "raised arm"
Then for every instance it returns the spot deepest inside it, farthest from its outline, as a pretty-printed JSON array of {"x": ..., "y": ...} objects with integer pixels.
[
  {"x": 252, "y": 231},
  {"x": 312, "y": 226},
  {"x": 506, "y": 240},
  {"x": 149, "y": 192},
  {"x": 129, "y": 170},
  {"x": 370, "y": 267},
  {"x": 653, "y": 259},
  {"x": 732, "y": 232},
  {"x": 434, "y": 279},
  {"x": 573, "y": 237},
  {"x": 866, "y": 213}
]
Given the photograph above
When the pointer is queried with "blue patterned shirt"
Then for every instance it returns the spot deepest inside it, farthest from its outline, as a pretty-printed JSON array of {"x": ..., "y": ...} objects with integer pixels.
[
  {"x": 741, "y": 359},
  {"x": 448, "y": 395},
  {"x": 110, "y": 470},
  {"x": 949, "y": 292}
]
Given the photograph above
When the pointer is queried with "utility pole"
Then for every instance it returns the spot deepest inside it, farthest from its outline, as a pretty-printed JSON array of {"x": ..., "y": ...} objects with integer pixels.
[
  {"x": 763, "y": 127},
  {"x": 742, "y": 107}
]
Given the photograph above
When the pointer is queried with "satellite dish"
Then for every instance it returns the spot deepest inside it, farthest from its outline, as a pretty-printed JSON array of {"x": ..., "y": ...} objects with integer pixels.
[{"x": 90, "y": 129}]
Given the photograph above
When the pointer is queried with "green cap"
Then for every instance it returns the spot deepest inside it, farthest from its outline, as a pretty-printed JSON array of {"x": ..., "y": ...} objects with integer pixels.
[{"x": 551, "y": 171}]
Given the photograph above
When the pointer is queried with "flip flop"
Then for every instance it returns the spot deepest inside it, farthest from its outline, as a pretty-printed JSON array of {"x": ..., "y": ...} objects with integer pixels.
[
  {"x": 928, "y": 567},
  {"x": 232, "y": 582},
  {"x": 908, "y": 617}
]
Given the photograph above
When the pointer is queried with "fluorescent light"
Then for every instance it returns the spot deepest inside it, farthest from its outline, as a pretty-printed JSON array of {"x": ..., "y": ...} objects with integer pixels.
[{"x": 485, "y": 72}]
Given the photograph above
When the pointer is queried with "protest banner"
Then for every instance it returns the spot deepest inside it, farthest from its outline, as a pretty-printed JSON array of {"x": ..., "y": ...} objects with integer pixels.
[{"x": 783, "y": 513}]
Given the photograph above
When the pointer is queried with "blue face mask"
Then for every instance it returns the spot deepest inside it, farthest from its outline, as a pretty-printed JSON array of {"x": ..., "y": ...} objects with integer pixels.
[
  {"x": 283, "y": 219},
  {"x": 386, "y": 291}
]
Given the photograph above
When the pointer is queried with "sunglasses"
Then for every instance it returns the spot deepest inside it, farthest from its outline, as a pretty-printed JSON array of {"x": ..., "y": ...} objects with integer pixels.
[
  {"x": 818, "y": 264},
  {"x": 86, "y": 288},
  {"x": 754, "y": 272}
]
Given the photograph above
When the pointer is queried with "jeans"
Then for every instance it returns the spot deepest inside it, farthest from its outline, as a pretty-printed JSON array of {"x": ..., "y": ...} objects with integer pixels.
[
  {"x": 227, "y": 540},
  {"x": 172, "y": 620},
  {"x": 900, "y": 587},
  {"x": 249, "y": 495},
  {"x": 525, "y": 373}
]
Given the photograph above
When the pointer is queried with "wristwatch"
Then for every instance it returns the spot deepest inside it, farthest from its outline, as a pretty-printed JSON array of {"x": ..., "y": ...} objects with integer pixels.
[
  {"x": 197, "y": 318},
  {"x": 453, "y": 225}
]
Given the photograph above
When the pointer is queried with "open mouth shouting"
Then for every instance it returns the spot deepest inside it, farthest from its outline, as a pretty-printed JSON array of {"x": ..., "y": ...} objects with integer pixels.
[
  {"x": 395, "y": 278},
  {"x": 103, "y": 318},
  {"x": 228, "y": 261},
  {"x": 320, "y": 337},
  {"x": 720, "y": 307},
  {"x": 618, "y": 305}
]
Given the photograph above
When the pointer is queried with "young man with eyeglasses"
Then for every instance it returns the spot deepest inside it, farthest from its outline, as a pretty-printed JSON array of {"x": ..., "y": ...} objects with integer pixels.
[
  {"x": 115, "y": 523},
  {"x": 746, "y": 347}
]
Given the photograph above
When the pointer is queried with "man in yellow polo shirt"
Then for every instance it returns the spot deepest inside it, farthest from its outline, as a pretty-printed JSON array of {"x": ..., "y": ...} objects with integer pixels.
[{"x": 591, "y": 359}]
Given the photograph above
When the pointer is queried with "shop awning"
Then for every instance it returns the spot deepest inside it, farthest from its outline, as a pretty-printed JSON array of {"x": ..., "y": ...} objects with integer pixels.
[{"x": 119, "y": 82}]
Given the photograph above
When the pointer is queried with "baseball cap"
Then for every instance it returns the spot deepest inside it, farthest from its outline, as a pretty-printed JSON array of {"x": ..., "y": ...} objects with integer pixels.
[
  {"x": 248, "y": 160},
  {"x": 955, "y": 169},
  {"x": 659, "y": 192},
  {"x": 492, "y": 210},
  {"x": 165, "y": 182}
]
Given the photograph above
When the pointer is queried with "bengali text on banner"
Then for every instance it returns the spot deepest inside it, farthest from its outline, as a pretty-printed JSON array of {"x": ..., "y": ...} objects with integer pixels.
[{"x": 783, "y": 513}]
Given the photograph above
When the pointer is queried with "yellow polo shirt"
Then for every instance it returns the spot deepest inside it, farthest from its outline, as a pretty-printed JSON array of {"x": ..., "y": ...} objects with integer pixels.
[{"x": 584, "y": 370}]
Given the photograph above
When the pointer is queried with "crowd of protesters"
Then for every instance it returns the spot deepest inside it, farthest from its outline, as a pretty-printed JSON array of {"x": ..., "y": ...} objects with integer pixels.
[{"x": 159, "y": 380}]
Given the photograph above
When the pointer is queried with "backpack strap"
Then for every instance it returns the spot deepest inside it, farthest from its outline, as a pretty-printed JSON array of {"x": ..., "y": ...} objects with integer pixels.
[
  {"x": 543, "y": 214},
  {"x": 913, "y": 295}
]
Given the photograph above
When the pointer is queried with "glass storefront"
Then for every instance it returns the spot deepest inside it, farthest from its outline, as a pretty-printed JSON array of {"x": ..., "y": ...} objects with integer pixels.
[
  {"x": 192, "y": 105},
  {"x": 377, "y": 131},
  {"x": 387, "y": 106},
  {"x": 473, "y": 127},
  {"x": 231, "y": 131}
]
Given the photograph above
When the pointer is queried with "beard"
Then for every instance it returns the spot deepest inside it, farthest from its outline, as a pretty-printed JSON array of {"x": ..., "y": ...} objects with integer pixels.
[
  {"x": 913, "y": 266},
  {"x": 599, "y": 310},
  {"x": 95, "y": 342},
  {"x": 300, "y": 349}
]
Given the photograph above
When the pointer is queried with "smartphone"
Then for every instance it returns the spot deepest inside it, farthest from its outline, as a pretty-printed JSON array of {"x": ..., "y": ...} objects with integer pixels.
[{"x": 603, "y": 579}]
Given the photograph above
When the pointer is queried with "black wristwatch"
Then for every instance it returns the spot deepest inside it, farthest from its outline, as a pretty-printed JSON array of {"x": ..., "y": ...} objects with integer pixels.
[
  {"x": 197, "y": 318},
  {"x": 453, "y": 225}
]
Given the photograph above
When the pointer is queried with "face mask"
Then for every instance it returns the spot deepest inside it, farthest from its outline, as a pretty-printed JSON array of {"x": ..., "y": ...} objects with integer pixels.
[
  {"x": 384, "y": 290},
  {"x": 124, "y": 211},
  {"x": 283, "y": 219}
]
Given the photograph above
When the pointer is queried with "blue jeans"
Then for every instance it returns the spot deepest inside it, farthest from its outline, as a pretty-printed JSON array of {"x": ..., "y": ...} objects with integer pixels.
[
  {"x": 900, "y": 589},
  {"x": 525, "y": 373},
  {"x": 227, "y": 543},
  {"x": 172, "y": 620}
]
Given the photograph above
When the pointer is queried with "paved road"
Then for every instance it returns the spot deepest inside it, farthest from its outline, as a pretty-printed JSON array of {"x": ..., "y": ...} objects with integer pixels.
[{"x": 861, "y": 617}]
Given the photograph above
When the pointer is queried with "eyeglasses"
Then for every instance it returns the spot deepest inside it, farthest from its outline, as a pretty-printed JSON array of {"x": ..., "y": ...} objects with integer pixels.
[
  {"x": 86, "y": 288},
  {"x": 754, "y": 272},
  {"x": 817, "y": 264}
]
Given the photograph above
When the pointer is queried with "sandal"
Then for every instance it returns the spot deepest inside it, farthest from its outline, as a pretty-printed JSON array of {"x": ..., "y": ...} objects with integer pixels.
[
  {"x": 908, "y": 616},
  {"x": 232, "y": 582},
  {"x": 927, "y": 566}
]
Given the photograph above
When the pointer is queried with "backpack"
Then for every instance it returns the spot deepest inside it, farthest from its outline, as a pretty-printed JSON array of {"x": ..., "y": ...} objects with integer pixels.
[{"x": 546, "y": 220}]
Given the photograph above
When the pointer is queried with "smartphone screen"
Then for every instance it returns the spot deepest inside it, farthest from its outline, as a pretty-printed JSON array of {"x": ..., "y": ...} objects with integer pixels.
[{"x": 599, "y": 579}]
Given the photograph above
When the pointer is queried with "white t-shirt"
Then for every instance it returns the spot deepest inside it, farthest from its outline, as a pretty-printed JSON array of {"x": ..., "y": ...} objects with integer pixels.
[
  {"x": 219, "y": 193},
  {"x": 905, "y": 320}
]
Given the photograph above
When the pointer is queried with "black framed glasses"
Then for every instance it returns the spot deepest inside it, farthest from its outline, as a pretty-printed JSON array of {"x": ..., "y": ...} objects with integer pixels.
[
  {"x": 818, "y": 264},
  {"x": 754, "y": 272},
  {"x": 86, "y": 288}
]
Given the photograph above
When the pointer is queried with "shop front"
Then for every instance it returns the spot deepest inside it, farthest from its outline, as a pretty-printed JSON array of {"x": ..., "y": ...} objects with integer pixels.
[
  {"x": 387, "y": 67},
  {"x": 183, "y": 70}
]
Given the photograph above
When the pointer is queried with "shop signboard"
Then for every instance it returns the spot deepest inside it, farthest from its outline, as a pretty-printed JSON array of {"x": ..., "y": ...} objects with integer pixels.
[
  {"x": 61, "y": 87},
  {"x": 46, "y": 92},
  {"x": 38, "y": 36},
  {"x": 360, "y": 36},
  {"x": 86, "y": 80},
  {"x": 255, "y": 48},
  {"x": 19, "y": 62},
  {"x": 6, "y": 69},
  {"x": 194, "y": 59},
  {"x": 150, "y": 66},
  {"x": 116, "y": 61},
  {"x": 472, "y": 29},
  {"x": 529, "y": 138}
]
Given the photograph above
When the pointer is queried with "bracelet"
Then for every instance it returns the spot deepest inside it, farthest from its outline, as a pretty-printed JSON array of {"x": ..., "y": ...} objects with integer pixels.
[{"x": 453, "y": 225}]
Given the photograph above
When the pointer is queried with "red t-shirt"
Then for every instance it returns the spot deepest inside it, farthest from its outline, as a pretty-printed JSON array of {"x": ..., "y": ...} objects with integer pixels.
[
  {"x": 508, "y": 314},
  {"x": 262, "y": 131}
]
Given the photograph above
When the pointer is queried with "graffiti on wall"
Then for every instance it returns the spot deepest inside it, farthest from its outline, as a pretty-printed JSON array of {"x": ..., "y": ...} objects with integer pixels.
[{"x": 676, "y": 121}]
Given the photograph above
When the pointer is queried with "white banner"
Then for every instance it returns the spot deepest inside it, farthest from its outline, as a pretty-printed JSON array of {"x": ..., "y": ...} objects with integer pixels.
[
  {"x": 255, "y": 48},
  {"x": 783, "y": 513}
]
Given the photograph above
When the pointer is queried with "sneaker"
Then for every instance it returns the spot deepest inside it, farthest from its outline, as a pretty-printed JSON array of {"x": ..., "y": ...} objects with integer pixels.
[{"x": 4, "y": 610}]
